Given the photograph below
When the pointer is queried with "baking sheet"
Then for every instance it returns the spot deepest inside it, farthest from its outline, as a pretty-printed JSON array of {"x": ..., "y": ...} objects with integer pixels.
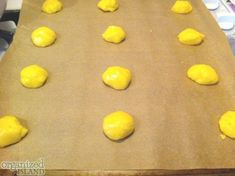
[{"x": 176, "y": 119}]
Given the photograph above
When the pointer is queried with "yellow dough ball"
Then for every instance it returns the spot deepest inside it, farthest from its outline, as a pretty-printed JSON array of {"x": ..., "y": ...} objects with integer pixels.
[
  {"x": 117, "y": 77},
  {"x": 33, "y": 76},
  {"x": 52, "y": 6},
  {"x": 118, "y": 125},
  {"x": 203, "y": 74},
  {"x": 227, "y": 124},
  {"x": 114, "y": 34},
  {"x": 43, "y": 37},
  {"x": 11, "y": 131},
  {"x": 108, "y": 5},
  {"x": 182, "y": 7},
  {"x": 190, "y": 36}
]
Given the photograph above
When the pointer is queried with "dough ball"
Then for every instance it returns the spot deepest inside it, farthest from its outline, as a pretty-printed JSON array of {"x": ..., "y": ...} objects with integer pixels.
[
  {"x": 52, "y": 6},
  {"x": 117, "y": 77},
  {"x": 114, "y": 34},
  {"x": 43, "y": 37},
  {"x": 203, "y": 74},
  {"x": 182, "y": 7},
  {"x": 33, "y": 76},
  {"x": 11, "y": 131},
  {"x": 108, "y": 5},
  {"x": 118, "y": 125},
  {"x": 227, "y": 124},
  {"x": 190, "y": 36}
]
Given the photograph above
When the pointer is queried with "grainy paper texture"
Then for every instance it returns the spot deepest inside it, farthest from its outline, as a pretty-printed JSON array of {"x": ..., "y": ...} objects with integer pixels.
[{"x": 176, "y": 119}]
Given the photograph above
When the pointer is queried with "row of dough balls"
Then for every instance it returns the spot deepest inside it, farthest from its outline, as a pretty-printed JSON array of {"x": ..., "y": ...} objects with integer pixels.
[
  {"x": 33, "y": 76},
  {"x": 203, "y": 74},
  {"x": 117, "y": 125}
]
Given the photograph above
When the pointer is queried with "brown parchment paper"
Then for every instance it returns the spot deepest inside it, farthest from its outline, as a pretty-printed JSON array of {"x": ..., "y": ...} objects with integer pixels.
[{"x": 176, "y": 119}]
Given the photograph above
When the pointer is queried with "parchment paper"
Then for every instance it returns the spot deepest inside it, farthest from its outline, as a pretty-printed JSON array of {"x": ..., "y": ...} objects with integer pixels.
[{"x": 176, "y": 119}]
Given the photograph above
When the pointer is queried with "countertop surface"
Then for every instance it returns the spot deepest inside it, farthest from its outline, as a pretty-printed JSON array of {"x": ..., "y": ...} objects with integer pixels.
[{"x": 14, "y": 4}]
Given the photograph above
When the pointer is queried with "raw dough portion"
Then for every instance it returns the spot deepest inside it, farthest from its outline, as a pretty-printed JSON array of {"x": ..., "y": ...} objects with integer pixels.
[
  {"x": 114, "y": 34},
  {"x": 118, "y": 125},
  {"x": 108, "y": 5},
  {"x": 52, "y": 6},
  {"x": 190, "y": 36},
  {"x": 182, "y": 7},
  {"x": 33, "y": 76},
  {"x": 227, "y": 124},
  {"x": 43, "y": 37},
  {"x": 203, "y": 74},
  {"x": 11, "y": 131},
  {"x": 117, "y": 77}
]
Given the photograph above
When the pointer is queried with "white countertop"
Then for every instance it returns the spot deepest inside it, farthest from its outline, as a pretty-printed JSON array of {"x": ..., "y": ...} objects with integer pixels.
[{"x": 14, "y": 4}]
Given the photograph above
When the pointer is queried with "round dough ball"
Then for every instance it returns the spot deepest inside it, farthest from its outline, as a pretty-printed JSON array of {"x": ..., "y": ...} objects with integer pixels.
[
  {"x": 43, "y": 37},
  {"x": 227, "y": 124},
  {"x": 11, "y": 131},
  {"x": 203, "y": 74},
  {"x": 117, "y": 77},
  {"x": 108, "y": 5},
  {"x": 190, "y": 36},
  {"x": 52, "y": 6},
  {"x": 118, "y": 125},
  {"x": 114, "y": 34},
  {"x": 182, "y": 7},
  {"x": 33, "y": 76}
]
